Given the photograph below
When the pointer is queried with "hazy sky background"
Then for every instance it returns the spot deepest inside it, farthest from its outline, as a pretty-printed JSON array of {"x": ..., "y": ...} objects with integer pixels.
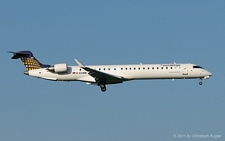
[{"x": 112, "y": 32}]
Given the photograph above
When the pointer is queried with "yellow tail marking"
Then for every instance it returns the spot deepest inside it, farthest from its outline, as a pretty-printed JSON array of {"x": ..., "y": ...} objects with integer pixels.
[{"x": 30, "y": 63}]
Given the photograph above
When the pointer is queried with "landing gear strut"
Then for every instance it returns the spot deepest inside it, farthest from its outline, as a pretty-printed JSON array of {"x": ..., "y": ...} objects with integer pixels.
[
  {"x": 200, "y": 83},
  {"x": 102, "y": 86}
]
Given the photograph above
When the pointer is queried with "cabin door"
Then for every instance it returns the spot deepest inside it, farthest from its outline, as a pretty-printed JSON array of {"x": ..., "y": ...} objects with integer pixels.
[{"x": 185, "y": 70}]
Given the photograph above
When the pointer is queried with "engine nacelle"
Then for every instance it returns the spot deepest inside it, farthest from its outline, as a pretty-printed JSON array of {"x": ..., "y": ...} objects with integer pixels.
[{"x": 58, "y": 68}]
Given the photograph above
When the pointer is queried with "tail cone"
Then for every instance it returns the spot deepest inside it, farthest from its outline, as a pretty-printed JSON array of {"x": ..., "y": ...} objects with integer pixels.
[{"x": 26, "y": 72}]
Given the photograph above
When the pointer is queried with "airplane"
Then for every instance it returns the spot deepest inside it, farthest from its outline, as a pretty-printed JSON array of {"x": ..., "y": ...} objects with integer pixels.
[{"x": 103, "y": 75}]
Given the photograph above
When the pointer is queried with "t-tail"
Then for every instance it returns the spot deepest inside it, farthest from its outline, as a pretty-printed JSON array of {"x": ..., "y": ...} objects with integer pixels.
[{"x": 27, "y": 58}]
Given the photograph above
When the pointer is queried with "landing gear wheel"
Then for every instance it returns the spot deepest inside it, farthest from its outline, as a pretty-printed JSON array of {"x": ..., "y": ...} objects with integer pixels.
[
  {"x": 200, "y": 83},
  {"x": 103, "y": 88}
]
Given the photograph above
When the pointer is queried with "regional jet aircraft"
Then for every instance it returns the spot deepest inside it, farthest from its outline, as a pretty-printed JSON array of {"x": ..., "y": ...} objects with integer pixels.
[{"x": 109, "y": 74}]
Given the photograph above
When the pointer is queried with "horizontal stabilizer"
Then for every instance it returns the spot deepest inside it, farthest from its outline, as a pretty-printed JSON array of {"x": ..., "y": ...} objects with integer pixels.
[{"x": 21, "y": 54}]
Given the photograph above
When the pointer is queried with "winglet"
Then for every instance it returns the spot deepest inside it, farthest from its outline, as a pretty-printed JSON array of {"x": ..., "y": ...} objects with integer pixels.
[{"x": 79, "y": 63}]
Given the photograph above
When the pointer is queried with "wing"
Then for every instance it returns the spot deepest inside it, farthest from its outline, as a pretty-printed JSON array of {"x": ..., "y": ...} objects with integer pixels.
[{"x": 101, "y": 76}]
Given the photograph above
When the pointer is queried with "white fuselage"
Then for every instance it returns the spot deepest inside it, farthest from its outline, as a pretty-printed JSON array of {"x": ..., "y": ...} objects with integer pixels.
[{"x": 126, "y": 72}]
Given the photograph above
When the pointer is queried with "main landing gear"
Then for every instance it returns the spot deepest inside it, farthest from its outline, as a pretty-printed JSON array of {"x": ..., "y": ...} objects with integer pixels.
[{"x": 102, "y": 86}]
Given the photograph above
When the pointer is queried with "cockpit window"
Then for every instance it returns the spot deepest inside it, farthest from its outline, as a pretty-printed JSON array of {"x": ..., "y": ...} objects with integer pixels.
[{"x": 197, "y": 67}]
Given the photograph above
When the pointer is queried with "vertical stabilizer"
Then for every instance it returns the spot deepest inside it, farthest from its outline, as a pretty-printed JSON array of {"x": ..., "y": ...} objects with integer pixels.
[{"x": 27, "y": 58}]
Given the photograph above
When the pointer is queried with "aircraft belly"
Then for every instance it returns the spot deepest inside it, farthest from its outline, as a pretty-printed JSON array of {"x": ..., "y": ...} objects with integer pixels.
[
  {"x": 87, "y": 78},
  {"x": 61, "y": 76},
  {"x": 71, "y": 77}
]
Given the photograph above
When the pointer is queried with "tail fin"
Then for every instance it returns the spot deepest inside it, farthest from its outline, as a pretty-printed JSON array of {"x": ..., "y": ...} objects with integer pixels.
[{"x": 27, "y": 58}]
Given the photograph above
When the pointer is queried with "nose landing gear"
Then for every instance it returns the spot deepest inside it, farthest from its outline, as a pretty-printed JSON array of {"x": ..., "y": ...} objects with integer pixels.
[{"x": 200, "y": 83}]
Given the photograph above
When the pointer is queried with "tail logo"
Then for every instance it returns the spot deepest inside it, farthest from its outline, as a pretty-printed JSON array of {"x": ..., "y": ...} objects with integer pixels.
[{"x": 30, "y": 63}]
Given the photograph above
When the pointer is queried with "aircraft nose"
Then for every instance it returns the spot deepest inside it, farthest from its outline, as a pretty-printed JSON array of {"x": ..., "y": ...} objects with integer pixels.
[{"x": 209, "y": 73}]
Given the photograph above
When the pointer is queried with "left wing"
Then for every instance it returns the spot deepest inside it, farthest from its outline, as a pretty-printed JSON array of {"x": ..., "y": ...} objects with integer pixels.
[{"x": 101, "y": 77}]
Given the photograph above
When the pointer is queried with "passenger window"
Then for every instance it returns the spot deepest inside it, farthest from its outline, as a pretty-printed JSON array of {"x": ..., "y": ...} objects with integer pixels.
[
  {"x": 162, "y": 68},
  {"x": 126, "y": 68},
  {"x": 108, "y": 68},
  {"x": 153, "y": 68},
  {"x": 114, "y": 68},
  {"x": 104, "y": 68},
  {"x": 157, "y": 68},
  {"x": 166, "y": 67},
  {"x": 134, "y": 68},
  {"x": 99, "y": 69},
  {"x": 143, "y": 68},
  {"x": 171, "y": 67},
  {"x": 130, "y": 68},
  {"x": 121, "y": 68}
]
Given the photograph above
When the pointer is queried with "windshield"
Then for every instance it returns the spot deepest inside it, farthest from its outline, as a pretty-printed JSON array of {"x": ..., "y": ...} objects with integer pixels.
[{"x": 197, "y": 67}]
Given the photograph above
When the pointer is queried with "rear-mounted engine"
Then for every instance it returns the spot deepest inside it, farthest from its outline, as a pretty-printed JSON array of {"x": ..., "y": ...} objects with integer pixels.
[{"x": 58, "y": 68}]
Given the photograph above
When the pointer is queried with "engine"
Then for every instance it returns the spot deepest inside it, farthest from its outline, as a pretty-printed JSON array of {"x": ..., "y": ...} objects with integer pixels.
[{"x": 58, "y": 68}]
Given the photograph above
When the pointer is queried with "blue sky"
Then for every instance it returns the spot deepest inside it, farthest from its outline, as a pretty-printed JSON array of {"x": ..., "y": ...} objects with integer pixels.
[{"x": 112, "y": 32}]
